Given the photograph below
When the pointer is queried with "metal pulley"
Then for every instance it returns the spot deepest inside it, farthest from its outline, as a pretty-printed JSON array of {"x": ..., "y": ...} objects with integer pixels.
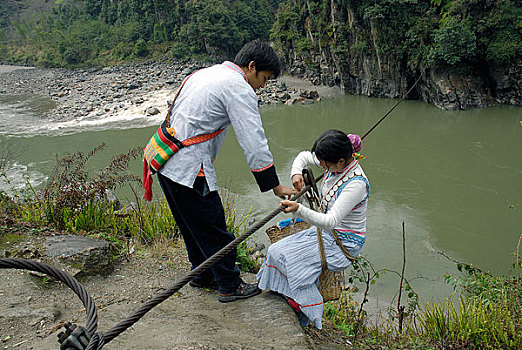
[{"x": 312, "y": 195}]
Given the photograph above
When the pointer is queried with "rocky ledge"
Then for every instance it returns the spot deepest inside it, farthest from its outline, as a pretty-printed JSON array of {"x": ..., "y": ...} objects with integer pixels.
[{"x": 34, "y": 310}]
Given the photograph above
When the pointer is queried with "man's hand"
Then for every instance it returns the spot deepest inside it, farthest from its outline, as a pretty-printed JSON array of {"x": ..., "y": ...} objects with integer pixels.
[
  {"x": 298, "y": 181},
  {"x": 283, "y": 191},
  {"x": 291, "y": 206}
]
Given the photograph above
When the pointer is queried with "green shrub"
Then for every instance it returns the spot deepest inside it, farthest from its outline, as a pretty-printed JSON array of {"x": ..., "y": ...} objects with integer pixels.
[
  {"x": 71, "y": 55},
  {"x": 344, "y": 313},
  {"x": 180, "y": 50},
  {"x": 454, "y": 43},
  {"x": 140, "y": 49}
]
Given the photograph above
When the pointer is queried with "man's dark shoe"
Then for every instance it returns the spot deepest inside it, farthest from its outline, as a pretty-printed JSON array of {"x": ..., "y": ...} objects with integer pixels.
[
  {"x": 213, "y": 285},
  {"x": 244, "y": 291}
]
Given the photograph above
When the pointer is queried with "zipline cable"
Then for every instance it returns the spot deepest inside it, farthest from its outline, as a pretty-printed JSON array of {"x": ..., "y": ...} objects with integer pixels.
[
  {"x": 395, "y": 105},
  {"x": 97, "y": 340}
]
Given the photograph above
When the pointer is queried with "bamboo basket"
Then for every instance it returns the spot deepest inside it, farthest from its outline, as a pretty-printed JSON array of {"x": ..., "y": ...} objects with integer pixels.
[{"x": 329, "y": 281}]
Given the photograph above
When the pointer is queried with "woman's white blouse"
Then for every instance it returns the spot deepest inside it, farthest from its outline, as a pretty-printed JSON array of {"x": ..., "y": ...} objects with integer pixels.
[{"x": 339, "y": 211}]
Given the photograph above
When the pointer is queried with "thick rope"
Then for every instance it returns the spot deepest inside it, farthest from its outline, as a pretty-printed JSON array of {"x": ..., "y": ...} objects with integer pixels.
[
  {"x": 134, "y": 317},
  {"x": 71, "y": 282}
]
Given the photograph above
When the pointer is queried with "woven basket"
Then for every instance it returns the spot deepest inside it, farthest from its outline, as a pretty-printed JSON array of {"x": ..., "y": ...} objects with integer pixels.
[
  {"x": 275, "y": 233},
  {"x": 329, "y": 281}
]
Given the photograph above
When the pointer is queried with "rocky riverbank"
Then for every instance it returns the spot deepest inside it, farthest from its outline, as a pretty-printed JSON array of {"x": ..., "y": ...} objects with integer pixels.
[
  {"x": 143, "y": 88},
  {"x": 445, "y": 88}
]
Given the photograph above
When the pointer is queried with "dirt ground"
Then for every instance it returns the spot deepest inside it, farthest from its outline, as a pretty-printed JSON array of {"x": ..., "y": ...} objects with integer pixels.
[{"x": 33, "y": 309}]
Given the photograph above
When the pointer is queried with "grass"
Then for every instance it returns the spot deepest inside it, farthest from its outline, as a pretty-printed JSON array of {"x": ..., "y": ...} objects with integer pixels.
[
  {"x": 237, "y": 224},
  {"x": 344, "y": 314},
  {"x": 483, "y": 313},
  {"x": 473, "y": 322},
  {"x": 486, "y": 313},
  {"x": 77, "y": 202}
]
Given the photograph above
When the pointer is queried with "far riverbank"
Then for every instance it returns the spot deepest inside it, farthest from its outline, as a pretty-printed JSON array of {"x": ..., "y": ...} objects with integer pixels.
[{"x": 143, "y": 88}]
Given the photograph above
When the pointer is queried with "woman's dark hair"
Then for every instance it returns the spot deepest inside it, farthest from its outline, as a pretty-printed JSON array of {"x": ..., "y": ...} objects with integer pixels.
[
  {"x": 332, "y": 145},
  {"x": 263, "y": 56}
]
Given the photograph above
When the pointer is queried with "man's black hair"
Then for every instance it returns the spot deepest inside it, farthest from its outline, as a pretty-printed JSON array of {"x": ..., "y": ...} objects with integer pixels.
[
  {"x": 333, "y": 145},
  {"x": 263, "y": 56}
]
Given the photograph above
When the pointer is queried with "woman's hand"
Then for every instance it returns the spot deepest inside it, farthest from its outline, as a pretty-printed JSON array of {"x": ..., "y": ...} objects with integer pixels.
[
  {"x": 298, "y": 181},
  {"x": 291, "y": 206}
]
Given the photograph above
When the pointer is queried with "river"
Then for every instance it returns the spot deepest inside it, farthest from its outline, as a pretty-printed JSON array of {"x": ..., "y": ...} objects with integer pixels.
[{"x": 453, "y": 177}]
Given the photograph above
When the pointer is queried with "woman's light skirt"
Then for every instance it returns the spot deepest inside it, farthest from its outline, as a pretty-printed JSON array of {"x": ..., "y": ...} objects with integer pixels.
[{"x": 293, "y": 265}]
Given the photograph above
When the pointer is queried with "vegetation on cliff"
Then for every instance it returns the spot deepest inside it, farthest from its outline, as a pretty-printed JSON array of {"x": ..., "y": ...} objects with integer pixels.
[
  {"x": 453, "y": 33},
  {"x": 413, "y": 32},
  {"x": 68, "y": 33},
  {"x": 467, "y": 53}
]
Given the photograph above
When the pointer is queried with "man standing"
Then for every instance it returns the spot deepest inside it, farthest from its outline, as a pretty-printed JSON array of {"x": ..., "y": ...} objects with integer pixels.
[{"x": 210, "y": 100}]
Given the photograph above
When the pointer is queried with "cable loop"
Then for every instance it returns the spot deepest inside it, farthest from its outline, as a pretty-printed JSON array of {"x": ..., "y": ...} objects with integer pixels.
[{"x": 96, "y": 343}]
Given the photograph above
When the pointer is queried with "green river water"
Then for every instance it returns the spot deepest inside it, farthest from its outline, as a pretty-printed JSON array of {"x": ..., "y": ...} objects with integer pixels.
[{"x": 453, "y": 177}]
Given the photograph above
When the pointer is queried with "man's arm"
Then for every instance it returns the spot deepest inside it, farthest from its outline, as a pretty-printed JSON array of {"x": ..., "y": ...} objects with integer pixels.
[{"x": 244, "y": 116}]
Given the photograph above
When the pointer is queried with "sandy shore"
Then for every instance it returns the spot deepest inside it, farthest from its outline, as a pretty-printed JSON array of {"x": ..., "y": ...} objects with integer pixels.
[{"x": 5, "y": 68}]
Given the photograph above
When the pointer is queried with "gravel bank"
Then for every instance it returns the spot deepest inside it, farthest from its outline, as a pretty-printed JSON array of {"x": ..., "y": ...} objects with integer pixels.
[{"x": 144, "y": 88}]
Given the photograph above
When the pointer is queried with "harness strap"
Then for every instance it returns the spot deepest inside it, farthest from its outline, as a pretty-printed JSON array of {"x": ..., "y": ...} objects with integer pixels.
[
  {"x": 167, "y": 118},
  {"x": 340, "y": 244},
  {"x": 201, "y": 138},
  {"x": 324, "y": 265}
]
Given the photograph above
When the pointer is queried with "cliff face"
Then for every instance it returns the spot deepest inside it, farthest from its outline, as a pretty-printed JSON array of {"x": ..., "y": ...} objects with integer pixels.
[{"x": 350, "y": 51}]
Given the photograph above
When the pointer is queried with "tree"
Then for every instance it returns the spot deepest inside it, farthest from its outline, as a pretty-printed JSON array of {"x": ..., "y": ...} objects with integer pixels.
[{"x": 454, "y": 43}]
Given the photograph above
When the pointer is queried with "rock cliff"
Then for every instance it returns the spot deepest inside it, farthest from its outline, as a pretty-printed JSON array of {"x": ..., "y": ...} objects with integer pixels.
[{"x": 344, "y": 48}]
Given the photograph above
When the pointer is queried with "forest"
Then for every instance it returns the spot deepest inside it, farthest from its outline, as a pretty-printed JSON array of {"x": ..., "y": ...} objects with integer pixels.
[
  {"x": 64, "y": 33},
  {"x": 416, "y": 32},
  {"x": 92, "y": 32}
]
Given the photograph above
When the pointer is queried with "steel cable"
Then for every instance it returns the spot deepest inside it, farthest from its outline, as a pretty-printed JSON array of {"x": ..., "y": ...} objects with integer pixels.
[
  {"x": 71, "y": 282},
  {"x": 147, "y": 306}
]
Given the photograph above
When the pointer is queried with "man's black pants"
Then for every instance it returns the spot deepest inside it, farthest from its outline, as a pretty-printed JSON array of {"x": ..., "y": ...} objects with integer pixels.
[{"x": 201, "y": 221}]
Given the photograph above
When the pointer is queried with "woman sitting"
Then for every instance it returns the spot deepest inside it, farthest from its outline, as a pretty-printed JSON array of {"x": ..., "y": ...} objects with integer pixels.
[{"x": 293, "y": 264}]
